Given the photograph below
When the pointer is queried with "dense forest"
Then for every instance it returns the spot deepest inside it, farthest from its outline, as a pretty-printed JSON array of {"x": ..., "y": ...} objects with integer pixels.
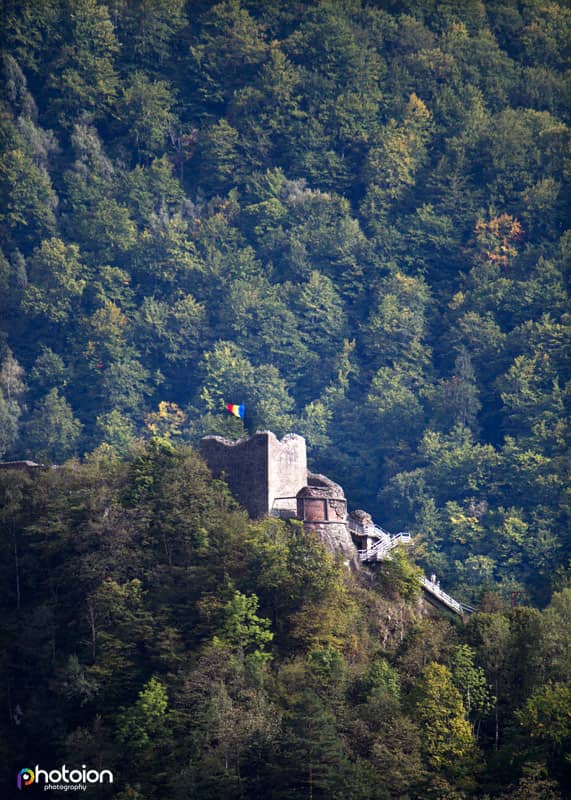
[
  {"x": 150, "y": 628},
  {"x": 349, "y": 215}
]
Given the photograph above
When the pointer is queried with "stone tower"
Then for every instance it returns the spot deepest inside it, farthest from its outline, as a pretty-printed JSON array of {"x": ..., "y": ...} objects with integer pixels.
[
  {"x": 263, "y": 473},
  {"x": 323, "y": 508},
  {"x": 269, "y": 477}
]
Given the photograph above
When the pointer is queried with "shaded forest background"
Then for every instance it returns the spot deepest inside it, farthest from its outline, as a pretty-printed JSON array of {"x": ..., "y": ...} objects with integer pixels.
[
  {"x": 348, "y": 217},
  {"x": 351, "y": 217}
]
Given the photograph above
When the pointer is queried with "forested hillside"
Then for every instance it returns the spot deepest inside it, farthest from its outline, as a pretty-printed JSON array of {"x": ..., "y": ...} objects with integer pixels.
[
  {"x": 349, "y": 215},
  {"x": 150, "y": 629}
]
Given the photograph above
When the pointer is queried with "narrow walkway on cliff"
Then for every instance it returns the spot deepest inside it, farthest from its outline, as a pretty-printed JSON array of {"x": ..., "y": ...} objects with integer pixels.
[{"x": 379, "y": 544}]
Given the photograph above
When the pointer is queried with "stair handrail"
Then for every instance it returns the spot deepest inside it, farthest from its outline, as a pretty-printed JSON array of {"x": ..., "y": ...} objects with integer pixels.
[
  {"x": 436, "y": 590},
  {"x": 384, "y": 545},
  {"x": 374, "y": 551},
  {"x": 386, "y": 542}
]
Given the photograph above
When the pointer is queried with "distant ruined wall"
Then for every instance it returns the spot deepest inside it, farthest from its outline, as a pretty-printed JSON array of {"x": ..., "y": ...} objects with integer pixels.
[
  {"x": 29, "y": 466},
  {"x": 259, "y": 469}
]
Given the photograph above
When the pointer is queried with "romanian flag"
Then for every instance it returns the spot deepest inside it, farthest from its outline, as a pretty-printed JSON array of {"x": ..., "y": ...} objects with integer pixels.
[{"x": 238, "y": 411}]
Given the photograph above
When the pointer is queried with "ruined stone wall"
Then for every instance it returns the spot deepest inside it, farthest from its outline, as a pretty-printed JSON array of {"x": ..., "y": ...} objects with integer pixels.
[
  {"x": 29, "y": 465},
  {"x": 244, "y": 466},
  {"x": 259, "y": 469},
  {"x": 287, "y": 471}
]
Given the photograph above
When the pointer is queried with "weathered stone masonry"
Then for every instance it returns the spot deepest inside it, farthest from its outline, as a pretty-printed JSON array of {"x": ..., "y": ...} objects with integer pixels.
[
  {"x": 270, "y": 477},
  {"x": 259, "y": 470}
]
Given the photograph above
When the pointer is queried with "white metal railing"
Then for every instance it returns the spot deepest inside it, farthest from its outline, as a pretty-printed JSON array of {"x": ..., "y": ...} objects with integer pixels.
[
  {"x": 401, "y": 538},
  {"x": 379, "y": 550},
  {"x": 375, "y": 531},
  {"x": 375, "y": 553},
  {"x": 435, "y": 590}
]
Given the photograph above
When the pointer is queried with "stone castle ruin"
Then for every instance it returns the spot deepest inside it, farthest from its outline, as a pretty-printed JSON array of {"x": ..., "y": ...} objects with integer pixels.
[
  {"x": 269, "y": 477},
  {"x": 262, "y": 472}
]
